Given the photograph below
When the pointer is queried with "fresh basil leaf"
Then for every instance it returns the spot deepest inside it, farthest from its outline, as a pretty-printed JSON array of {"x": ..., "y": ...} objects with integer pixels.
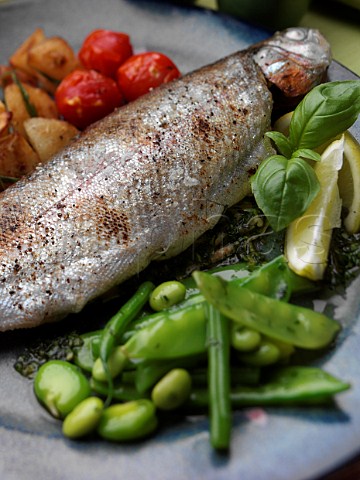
[
  {"x": 284, "y": 189},
  {"x": 282, "y": 143},
  {"x": 307, "y": 153},
  {"x": 326, "y": 111}
]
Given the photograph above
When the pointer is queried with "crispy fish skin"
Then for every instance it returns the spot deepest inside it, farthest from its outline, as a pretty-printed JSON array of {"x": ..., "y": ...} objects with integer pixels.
[{"x": 141, "y": 184}]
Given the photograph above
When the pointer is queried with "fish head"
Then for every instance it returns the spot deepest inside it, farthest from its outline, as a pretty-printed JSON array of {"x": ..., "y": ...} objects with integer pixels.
[{"x": 294, "y": 60}]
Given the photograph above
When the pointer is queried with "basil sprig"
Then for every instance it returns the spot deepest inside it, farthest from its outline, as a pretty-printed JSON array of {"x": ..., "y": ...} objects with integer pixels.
[{"x": 285, "y": 185}]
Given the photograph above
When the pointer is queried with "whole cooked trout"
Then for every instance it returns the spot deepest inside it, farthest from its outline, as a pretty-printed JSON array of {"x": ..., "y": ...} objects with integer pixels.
[{"x": 143, "y": 183}]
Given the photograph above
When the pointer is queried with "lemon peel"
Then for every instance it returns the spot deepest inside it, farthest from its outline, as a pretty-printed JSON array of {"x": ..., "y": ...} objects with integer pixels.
[
  {"x": 307, "y": 239},
  {"x": 282, "y": 124},
  {"x": 349, "y": 183}
]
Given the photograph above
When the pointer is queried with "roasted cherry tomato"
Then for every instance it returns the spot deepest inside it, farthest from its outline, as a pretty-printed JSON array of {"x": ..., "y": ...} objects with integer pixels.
[
  {"x": 143, "y": 72},
  {"x": 105, "y": 51},
  {"x": 85, "y": 96}
]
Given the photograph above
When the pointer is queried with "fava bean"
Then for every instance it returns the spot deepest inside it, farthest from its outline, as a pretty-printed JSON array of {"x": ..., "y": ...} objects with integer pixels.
[
  {"x": 128, "y": 421},
  {"x": 285, "y": 349},
  {"x": 84, "y": 419},
  {"x": 244, "y": 339},
  {"x": 265, "y": 354},
  {"x": 60, "y": 386},
  {"x": 172, "y": 390},
  {"x": 166, "y": 295}
]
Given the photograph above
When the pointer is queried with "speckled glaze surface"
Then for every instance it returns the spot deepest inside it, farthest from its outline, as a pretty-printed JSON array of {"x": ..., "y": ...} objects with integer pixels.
[{"x": 276, "y": 444}]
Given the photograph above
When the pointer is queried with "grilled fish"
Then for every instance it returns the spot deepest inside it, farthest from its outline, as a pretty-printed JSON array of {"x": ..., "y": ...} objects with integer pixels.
[{"x": 141, "y": 184}]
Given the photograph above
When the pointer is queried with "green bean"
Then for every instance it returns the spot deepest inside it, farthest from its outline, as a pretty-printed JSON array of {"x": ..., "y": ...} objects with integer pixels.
[
  {"x": 84, "y": 419},
  {"x": 117, "y": 324},
  {"x": 60, "y": 386},
  {"x": 243, "y": 338},
  {"x": 120, "y": 391},
  {"x": 243, "y": 375},
  {"x": 219, "y": 378},
  {"x": 172, "y": 390},
  {"x": 166, "y": 295},
  {"x": 291, "y": 385},
  {"x": 289, "y": 323},
  {"x": 128, "y": 421}
]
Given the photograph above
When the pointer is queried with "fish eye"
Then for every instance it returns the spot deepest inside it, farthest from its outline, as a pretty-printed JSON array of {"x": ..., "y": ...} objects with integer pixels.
[{"x": 296, "y": 34}]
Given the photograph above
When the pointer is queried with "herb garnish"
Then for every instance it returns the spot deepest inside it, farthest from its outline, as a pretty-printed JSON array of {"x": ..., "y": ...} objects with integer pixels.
[{"x": 285, "y": 184}]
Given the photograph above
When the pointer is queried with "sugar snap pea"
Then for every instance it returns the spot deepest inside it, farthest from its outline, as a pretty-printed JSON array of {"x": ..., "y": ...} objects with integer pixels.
[
  {"x": 84, "y": 356},
  {"x": 273, "y": 279},
  {"x": 299, "y": 326},
  {"x": 149, "y": 372},
  {"x": 292, "y": 385},
  {"x": 176, "y": 333},
  {"x": 115, "y": 364}
]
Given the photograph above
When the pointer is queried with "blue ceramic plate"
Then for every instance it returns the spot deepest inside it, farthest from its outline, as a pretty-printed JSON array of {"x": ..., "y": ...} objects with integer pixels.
[{"x": 271, "y": 444}]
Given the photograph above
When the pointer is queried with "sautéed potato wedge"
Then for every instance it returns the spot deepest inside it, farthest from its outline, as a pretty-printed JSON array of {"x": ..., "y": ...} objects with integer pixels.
[
  {"x": 17, "y": 157},
  {"x": 53, "y": 57},
  {"x": 48, "y": 136},
  {"x": 43, "y": 103}
]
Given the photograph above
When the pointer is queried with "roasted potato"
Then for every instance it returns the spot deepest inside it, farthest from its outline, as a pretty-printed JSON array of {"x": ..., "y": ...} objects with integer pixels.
[
  {"x": 53, "y": 57},
  {"x": 16, "y": 156},
  {"x": 19, "y": 59},
  {"x": 5, "y": 119},
  {"x": 38, "y": 98},
  {"x": 48, "y": 136}
]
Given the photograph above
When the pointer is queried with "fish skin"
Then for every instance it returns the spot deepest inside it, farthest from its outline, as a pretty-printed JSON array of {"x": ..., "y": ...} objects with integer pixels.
[{"x": 139, "y": 185}]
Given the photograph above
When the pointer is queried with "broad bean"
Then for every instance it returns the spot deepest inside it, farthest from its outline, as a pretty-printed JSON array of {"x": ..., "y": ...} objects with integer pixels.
[
  {"x": 128, "y": 421},
  {"x": 166, "y": 295},
  {"x": 84, "y": 419},
  {"x": 172, "y": 390},
  {"x": 60, "y": 386}
]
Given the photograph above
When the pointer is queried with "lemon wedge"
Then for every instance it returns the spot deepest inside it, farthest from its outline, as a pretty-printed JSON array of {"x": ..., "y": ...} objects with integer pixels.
[
  {"x": 282, "y": 124},
  {"x": 307, "y": 239},
  {"x": 349, "y": 183}
]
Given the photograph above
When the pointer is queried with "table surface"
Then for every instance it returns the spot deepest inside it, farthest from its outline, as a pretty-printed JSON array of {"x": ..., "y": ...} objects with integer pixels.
[{"x": 337, "y": 20}]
